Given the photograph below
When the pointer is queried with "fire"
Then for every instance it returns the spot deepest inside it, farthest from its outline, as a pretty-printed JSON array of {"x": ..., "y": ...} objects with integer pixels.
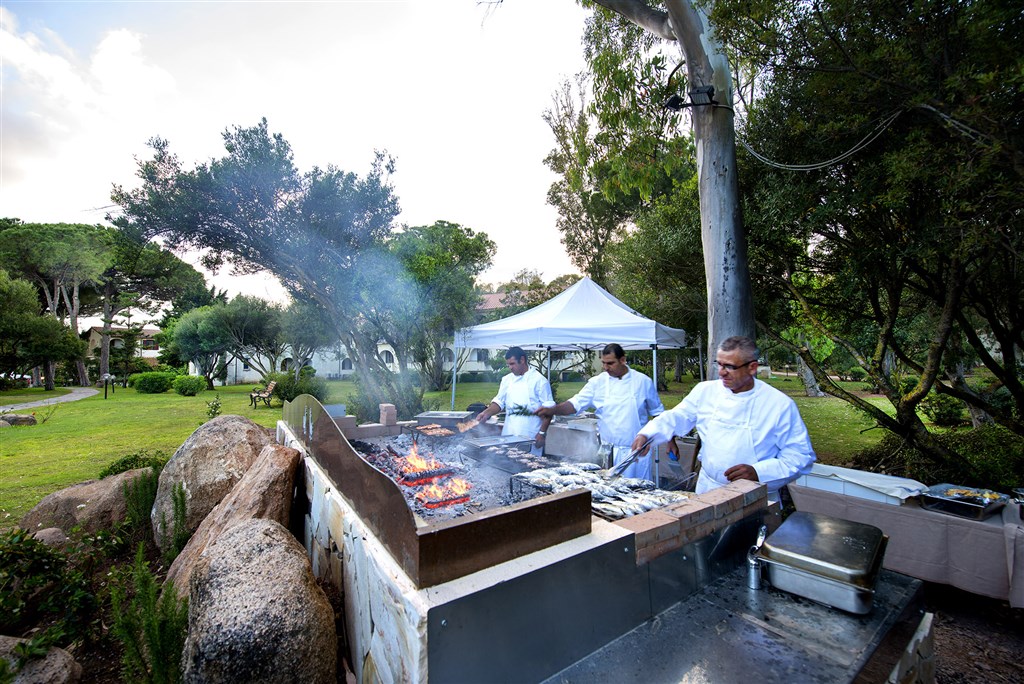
[
  {"x": 468, "y": 425},
  {"x": 452, "y": 491},
  {"x": 414, "y": 463}
]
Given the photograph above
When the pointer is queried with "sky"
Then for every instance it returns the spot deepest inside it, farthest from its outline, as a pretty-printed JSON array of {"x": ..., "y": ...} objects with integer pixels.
[{"x": 454, "y": 90}]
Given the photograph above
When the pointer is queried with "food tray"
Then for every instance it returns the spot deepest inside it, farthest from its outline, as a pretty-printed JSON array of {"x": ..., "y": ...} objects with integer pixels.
[
  {"x": 447, "y": 419},
  {"x": 966, "y": 502},
  {"x": 825, "y": 559}
]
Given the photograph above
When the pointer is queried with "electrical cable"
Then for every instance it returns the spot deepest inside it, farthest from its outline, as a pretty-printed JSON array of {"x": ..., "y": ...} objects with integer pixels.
[{"x": 864, "y": 142}]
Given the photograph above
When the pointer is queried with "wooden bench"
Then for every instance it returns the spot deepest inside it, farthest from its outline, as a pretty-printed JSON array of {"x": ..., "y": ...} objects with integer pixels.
[{"x": 264, "y": 394}]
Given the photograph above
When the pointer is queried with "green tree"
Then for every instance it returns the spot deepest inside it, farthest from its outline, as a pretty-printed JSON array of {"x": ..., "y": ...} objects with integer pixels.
[
  {"x": 252, "y": 208},
  {"x": 255, "y": 328},
  {"x": 442, "y": 261},
  {"x": 902, "y": 248},
  {"x": 306, "y": 329},
  {"x": 200, "y": 338}
]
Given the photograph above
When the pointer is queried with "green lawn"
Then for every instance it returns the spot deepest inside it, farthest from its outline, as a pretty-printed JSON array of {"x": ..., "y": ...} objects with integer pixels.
[{"x": 80, "y": 438}]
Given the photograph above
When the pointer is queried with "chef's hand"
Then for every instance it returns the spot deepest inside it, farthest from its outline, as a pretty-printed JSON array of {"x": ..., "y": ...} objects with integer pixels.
[
  {"x": 545, "y": 412},
  {"x": 673, "y": 450},
  {"x": 641, "y": 441},
  {"x": 741, "y": 472},
  {"x": 538, "y": 439}
]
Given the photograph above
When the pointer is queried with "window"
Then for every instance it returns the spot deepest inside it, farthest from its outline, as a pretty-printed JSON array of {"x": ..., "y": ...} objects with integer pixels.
[
  {"x": 388, "y": 357},
  {"x": 245, "y": 364},
  {"x": 150, "y": 345},
  {"x": 346, "y": 364},
  {"x": 447, "y": 356},
  {"x": 483, "y": 355}
]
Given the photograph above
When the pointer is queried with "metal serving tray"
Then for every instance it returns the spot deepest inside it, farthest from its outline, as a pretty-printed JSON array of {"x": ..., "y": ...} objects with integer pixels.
[
  {"x": 975, "y": 505},
  {"x": 825, "y": 559},
  {"x": 447, "y": 419}
]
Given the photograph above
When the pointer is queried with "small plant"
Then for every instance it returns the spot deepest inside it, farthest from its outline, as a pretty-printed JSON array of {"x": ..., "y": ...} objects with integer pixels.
[
  {"x": 47, "y": 413},
  {"x": 189, "y": 385},
  {"x": 179, "y": 529},
  {"x": 942, "y": 409},
  {"x": 139, "y": 495},
  {"x": 151, "y": 629},
  {"x": 213, "y": 407}
]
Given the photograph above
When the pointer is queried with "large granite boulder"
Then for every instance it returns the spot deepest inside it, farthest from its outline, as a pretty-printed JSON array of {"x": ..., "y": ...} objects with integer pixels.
[
  {"x": 256, "y": 613},
  {"x": 16, "y": 419},
  {"x": 56, "y": 667},
  {"x": 265, "y": 491},
  {"x": 93, "y": 505},
  {"x": 207, "y": 465}
]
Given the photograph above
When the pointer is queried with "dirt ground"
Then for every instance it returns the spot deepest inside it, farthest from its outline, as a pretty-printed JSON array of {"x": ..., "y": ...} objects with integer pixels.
[{"x": 978, "y": 640}]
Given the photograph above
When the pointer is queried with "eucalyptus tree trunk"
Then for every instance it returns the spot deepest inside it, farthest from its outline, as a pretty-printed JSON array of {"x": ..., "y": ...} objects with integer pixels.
[{"x": 730, "y": 300}]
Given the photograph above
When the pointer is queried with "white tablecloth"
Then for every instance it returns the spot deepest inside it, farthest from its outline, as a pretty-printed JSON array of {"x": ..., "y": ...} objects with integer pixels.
[{"x": 981, "y": 556}]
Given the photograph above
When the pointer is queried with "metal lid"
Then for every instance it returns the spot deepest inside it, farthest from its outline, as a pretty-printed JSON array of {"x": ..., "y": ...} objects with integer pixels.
[
  {"x": 461, "y": 415},
  {"x": 834, "y": 548}
]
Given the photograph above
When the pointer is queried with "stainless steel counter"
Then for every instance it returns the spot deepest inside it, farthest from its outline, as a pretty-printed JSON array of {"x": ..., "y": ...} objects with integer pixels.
[{"x": 728, "y": 633}]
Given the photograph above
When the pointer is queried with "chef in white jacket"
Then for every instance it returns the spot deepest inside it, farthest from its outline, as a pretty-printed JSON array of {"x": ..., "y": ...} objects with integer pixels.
[
  {"x": 521, "y": 392},
  {"x": 624, "y": 400},
  {"x": 748, "y": 429}
]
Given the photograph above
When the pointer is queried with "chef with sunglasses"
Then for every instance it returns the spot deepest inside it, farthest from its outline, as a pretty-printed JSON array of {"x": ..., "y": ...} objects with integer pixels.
[{"x": 748, "y": 429}]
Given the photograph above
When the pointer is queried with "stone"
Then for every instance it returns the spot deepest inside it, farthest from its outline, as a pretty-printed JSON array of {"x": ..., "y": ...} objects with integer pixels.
[
  {"x": 207, "y": 465},
  {"x": 52, "y": 536},
  {"x": 256, "y": 614},
  {"x": 93, "y": 505},
  {"x": 265, "y": 491},
  {"x": 4, "y": 424},
  {"x": 17, "y": 419},
  {"x": 56, "y": 667},
  {"x": 388, "y": 414}
]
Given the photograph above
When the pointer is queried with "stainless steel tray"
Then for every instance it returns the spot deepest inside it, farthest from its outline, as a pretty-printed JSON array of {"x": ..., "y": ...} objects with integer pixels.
[
  {"x": 966, "y": 502},
  {"x": 825, "y": 559},
  {"x": 448, "y": 419},
  {"x": 502, "y": 441}
]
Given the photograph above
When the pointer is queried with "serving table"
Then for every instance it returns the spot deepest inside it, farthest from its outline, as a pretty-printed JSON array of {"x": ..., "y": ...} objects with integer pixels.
[{"x": 980, "y": 556}]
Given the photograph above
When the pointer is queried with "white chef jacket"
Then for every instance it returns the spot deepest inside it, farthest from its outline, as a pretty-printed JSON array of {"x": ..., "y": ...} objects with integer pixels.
[
  {"x": 532, "y": 390},
  {"x": 623, "y": 406},
  {"x": 760, "y": 427}
]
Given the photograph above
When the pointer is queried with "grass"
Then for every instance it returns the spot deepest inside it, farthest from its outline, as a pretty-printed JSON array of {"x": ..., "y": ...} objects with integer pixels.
[{"x": 80, "y": 438}]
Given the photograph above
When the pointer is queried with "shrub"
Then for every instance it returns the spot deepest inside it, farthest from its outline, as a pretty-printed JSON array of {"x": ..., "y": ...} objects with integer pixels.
[
  {"x": 943, "y": 410},
  {"x": 993, "y": 458},
  {"x": 140, "y": 459},
  {"x": 189, "y": 385},
  {"x": 857, "y": 374},
  {"x": 152, "y": 630},
  {"x": 179, "y": 529},
  {"x": 288, "y": 387},
  {"x": 38, "y": 581},
  {"x": 151, "y": 383}
]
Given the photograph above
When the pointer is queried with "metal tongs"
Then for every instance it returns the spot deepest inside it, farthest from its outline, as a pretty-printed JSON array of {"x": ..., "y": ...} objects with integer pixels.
[{"x": 617, "y": 470}]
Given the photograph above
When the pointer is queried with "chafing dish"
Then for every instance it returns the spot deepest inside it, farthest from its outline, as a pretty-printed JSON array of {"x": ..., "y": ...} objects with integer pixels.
[
  {"x": 966, "y": 502},
  {"x": 825, "y": 559}
]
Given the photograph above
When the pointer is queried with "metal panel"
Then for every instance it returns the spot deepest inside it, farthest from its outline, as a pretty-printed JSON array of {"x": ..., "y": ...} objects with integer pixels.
[{"x": 534, "y": 624}]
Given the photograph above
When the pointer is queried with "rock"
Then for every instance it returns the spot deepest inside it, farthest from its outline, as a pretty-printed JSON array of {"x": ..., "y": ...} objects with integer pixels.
[
  {"x": 16, "y": 419},
  {"x": 265, "y": 491},
  {"x": 52, "y": 536},
  {"x": 56, "y": 667},
  {"x": 255, "y": 612},
  {"x": 93, "y": 505},
  {"x": 3, "y": 424},
  {"x": 207, "y": 465}
]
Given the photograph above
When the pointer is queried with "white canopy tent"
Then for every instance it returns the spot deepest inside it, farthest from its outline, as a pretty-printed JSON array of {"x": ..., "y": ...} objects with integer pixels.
[{"x": 585, "y": 316}]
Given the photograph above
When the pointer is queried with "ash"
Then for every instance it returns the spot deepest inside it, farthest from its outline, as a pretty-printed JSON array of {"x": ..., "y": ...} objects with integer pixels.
[{"x": 491, "y": 486}]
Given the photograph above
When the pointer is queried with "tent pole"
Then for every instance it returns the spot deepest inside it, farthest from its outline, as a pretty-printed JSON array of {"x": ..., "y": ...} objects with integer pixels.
[
  {"x": 455, "y": 365},
  {"x": 549, "y": 363},
  {"x": 655, "y": 452}
]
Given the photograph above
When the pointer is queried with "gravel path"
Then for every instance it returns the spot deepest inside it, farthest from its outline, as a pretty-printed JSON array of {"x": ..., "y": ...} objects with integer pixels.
[{"x": 75, "y": 394}]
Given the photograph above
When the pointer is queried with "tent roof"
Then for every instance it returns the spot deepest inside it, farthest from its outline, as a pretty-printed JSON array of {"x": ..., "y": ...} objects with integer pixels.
[{"x": 584, "y": 316}]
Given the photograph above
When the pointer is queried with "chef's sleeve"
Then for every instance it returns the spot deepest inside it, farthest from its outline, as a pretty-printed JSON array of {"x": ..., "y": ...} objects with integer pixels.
[
  {"x": 542, "y": 393},
  {"x": 584, "y": 399},
  {"x": 677, "y": 421},
  {"x": 795, "y": 454},
  {"x": 499, "y": 398},
  {"x": 652, "y": 401}
]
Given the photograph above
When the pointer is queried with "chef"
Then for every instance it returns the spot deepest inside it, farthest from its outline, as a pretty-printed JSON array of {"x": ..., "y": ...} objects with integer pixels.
[
  {"x": 520, "y": 394},
  {"x": 623, "y": 400},
  {"x": 748, "y": 429}
]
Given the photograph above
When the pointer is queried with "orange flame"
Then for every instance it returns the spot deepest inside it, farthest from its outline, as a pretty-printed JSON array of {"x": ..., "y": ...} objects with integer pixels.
[
  {"x": 414, "y": 463},
  {"x": 468, "y": 425},
  {"x": 455, "y": 488}
]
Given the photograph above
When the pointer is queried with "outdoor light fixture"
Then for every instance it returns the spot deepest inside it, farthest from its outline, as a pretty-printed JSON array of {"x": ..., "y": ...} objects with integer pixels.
[{"x": 699, "y": 97}]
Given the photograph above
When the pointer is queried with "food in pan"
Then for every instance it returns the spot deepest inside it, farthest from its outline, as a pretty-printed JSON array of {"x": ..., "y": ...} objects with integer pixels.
[{"x": 966, "y": 493}]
